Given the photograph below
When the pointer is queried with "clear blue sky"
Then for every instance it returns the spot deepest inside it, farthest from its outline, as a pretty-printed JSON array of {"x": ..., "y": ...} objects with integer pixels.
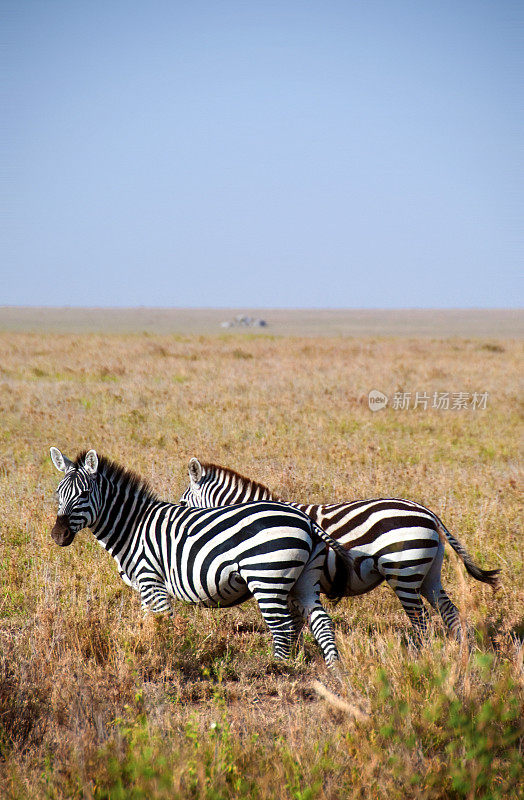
[{"x": 262, "y": 154}]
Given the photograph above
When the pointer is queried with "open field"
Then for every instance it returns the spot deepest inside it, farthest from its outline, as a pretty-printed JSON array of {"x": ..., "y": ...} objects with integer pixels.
[
  {"x": 98, "y": 701},
  {"x": 439, "y": 323}
]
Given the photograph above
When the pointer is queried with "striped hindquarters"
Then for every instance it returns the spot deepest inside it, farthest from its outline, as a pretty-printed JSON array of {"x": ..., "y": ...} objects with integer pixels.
[{"x": 388, "y": 539}]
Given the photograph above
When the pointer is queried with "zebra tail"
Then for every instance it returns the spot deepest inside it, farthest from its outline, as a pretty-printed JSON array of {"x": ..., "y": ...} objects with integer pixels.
[
  {"x": 344, "y": 564},
  {"x": 490, "y": 576},
  {"x": 344, "y": 554}
]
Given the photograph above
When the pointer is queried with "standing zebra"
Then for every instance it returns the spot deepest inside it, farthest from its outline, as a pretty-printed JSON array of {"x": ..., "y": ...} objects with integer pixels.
[
  {"x": 389, "y": 539},
  {"x": 211, "y": 557}
]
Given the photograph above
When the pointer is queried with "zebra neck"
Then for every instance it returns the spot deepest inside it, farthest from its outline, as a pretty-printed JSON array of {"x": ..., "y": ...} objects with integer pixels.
[
  {"x": 245, "y": 492},
  {"x": 118, "y": 524}
]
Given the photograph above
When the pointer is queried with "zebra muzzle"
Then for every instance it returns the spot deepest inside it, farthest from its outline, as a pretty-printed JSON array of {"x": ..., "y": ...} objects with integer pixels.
[{"x": 61, "y": 533}]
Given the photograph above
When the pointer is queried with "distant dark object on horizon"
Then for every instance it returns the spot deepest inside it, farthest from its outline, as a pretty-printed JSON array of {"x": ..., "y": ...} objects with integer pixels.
[{"x": 241, "y": 321}]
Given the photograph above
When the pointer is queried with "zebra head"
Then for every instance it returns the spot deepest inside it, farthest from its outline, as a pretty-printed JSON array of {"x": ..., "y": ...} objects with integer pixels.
[
  {"x": 194, "y": 494},
  {"x": 211, "y": 485},
  {"x": 78, "y": 495}
]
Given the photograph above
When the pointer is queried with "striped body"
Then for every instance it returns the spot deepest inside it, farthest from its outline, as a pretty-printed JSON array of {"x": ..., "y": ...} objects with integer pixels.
[
  {"x": 390, "y": 540},
  {"x": 211, "y": 557}
]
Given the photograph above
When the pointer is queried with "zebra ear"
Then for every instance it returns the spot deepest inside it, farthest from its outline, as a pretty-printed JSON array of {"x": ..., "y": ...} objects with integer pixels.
[
  {"x": 91, "y": 462},
  {"x": 61, "y": 462},
  {"x": 195, "y": 470}
]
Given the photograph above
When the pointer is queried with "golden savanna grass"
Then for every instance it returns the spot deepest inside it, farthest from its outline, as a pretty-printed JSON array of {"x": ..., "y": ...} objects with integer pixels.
[{"x": 98, "y": 701}]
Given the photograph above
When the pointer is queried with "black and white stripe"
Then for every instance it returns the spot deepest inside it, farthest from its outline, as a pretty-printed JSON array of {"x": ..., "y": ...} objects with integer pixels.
[
  {"x": 212, "y": 557},
  {"x": 390, "y": 540}
]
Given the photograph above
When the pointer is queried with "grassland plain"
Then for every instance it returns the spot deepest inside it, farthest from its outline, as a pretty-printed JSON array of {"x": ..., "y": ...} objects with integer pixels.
[
  {"x": 97, "y": 701},
  {"x": 471, "y": 322}
]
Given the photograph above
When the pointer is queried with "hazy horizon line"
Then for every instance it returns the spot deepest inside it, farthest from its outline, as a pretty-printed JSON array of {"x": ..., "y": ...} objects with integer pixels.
[{"x": 259, "y": 308}]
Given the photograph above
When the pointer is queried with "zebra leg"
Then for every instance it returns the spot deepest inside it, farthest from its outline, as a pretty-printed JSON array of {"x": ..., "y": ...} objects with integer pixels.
[
  {"x": 405, "y": 573},
  {"x": 304, "y": 600},
  {"x": 322, "y": 629},
  {"x": 450, "y": 615},
  {"x": 297, "y": 626},
  {"x": 320, "y": 624},
  {"x": 155, "y": 598},
  {"x": 418, "y": 616},
  {"x": 440, "y": 601},
  {"x": 277, "y": 617},
  {"x": 431, "y": 589},
  {"x": 409, "y": 596}
]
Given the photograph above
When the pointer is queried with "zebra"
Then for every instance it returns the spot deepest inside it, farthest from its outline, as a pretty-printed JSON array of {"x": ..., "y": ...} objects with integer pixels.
[
  {"x": 390, "y": 539},
  {"x": 210, "y": 557}
]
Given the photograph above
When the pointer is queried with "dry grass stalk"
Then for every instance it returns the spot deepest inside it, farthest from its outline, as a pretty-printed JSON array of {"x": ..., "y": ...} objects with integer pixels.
[{"x": 339, "y": 703}]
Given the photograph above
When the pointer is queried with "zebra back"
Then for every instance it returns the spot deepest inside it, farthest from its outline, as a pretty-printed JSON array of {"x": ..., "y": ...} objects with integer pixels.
[{"x": 211, "y": 484}]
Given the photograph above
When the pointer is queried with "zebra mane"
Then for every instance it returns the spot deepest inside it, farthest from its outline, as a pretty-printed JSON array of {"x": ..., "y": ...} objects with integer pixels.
[
  {"x": 238, "y": 478},
  {"x": 118, "y": 474}
]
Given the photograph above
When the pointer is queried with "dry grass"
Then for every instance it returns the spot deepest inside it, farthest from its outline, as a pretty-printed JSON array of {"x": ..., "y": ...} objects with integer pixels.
[{"x": 97, "y": 701}]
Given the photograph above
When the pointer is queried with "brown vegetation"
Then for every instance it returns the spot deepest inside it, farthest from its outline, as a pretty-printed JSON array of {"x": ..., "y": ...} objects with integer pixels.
[{"x": 98, "y": 701}]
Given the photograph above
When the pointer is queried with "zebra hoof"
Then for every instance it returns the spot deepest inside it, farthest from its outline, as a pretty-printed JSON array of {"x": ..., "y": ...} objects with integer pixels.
[
  {"x": 337, "y": 671},
  {"x": 277, "y": 667}
]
